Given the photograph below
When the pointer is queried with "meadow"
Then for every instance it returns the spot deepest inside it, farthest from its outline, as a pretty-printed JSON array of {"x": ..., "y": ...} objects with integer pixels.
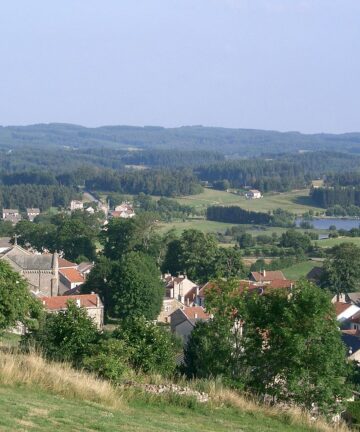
[{"x": 297, "y": 201}]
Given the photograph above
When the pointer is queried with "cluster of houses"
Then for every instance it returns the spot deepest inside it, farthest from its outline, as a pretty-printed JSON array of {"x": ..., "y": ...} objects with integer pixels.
[
  {"x": 125, "y": 210},
  {"x": 184, "y": 301},
  {"x": 14, "y": 216},
  {"x": 53, "y": 279}
]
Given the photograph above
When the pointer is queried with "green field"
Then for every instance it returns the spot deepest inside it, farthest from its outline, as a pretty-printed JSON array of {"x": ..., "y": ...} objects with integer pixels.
[
  {"x": 327, "y": 243},
  {"x": 300, "y": 269},
  {"x": 295, "y": 201}
]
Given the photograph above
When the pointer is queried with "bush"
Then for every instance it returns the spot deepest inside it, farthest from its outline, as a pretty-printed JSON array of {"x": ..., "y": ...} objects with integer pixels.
[
  {"x": 110, "y": 360},
  {"x": 151, "y": 348},
  {"x": 65, "y": 336}
]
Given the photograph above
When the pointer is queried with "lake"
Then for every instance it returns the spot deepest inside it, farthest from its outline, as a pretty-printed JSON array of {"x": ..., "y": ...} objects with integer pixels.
[{"x": 325, "y": 223}]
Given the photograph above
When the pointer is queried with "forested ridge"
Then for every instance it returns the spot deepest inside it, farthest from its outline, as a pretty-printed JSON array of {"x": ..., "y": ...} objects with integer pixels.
[{"x": 243, "y": 142}]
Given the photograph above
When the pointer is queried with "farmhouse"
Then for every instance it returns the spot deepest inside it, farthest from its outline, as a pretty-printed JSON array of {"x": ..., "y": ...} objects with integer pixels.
[
  {"x": 32, "y": 213},
  {"x": 76, "y": 205},
  {"x": 253, "y": 194},
  {"x": 124, "y": 210},
  {"x": 90, "y": 302},
  {"x": 11, "y": 215}
]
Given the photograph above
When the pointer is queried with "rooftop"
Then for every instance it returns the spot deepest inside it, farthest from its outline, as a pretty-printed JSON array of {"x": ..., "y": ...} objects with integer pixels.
[{"x": 60, "y": 302}]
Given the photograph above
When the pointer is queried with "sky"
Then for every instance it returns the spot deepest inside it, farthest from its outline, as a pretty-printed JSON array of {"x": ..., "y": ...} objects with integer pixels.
[{"x": 266, "y": 64}]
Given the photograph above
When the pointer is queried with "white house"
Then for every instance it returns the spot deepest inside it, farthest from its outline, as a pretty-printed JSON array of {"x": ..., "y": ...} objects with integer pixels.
[
  {"x": 253, "y": 194},
  {"x": 345, "y": 311},
  {"x": 76, "y": 205}
]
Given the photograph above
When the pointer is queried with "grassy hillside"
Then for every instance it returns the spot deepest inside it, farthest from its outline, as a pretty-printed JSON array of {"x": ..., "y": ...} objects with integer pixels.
[
  {"x": 295, "y": 201},
  {"x": 38, "y": 396}
]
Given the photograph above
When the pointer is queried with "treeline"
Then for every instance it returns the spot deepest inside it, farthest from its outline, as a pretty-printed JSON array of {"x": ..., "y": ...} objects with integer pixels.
[
  {"x": 42, "y": 196},
  {"x": 350, "y": 178},
  {"x": 284, "y": 173},
  {"x": 237, "y": 215},
  {"x": 151, "y": 182},
  {"x": 332, "y": 196},
  {"x": 258, "y": 173}
]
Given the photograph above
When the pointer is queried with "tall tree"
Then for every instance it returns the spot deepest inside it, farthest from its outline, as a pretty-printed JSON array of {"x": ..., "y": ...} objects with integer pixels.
[
  {"x": 341, "y": 269},
  {"x": 135, "y": 287},
  {"x": 16, "y": 302}
]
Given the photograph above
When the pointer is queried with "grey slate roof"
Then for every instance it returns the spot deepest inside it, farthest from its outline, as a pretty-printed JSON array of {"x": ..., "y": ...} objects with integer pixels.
[{"x": 33, "y": 262}]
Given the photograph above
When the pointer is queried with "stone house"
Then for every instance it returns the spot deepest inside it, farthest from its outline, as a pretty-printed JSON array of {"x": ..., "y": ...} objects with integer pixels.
[
  {"x": 169, "y": 306},
  {"x": 32, "y": 213},
  {"x": 182, "y": 321},
  {"x": 11, "y": 215},
  {"x": 40, "y": 270},
  {"x": 90, "y": 302},
  {"x": 76, "y": 205},
  {"x": 267, "y": 276},
  {"x": 180, "y": 288},
  {"x": 124, "y": 210},
  {"x": 70, "y": 278}
]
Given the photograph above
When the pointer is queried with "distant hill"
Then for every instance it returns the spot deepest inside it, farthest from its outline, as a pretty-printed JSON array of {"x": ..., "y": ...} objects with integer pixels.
[{"x": 236, "y": 142}]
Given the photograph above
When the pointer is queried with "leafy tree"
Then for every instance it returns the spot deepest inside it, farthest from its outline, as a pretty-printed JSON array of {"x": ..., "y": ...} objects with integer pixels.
[
  {"x": 293, "y": 347},
  {"x": 65, "y": 336},
  {"x": 98, "y": 281},
  {"x": 16, "y": 302},
  {"x": 341, "y": 269},
  {"x": 290, "y": 347},
  {"x": 135, "y": 287},
  {"x": 245, "y": 240},
  {"x": 229, "y": 263},
  {"x": 295, "y": 239},
  {"x": 152, "y": 348}
]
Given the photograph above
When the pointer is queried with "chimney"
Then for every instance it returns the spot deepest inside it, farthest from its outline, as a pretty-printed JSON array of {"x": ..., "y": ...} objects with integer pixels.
[
  {"x": 195, "y": 315},
  {"x": 78, "y": 302},
  {"x": 264, "y": 273}
]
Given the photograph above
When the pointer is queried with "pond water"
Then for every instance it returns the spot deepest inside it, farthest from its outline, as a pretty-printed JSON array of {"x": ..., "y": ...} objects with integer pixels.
[{"x": 325, "y": 223}]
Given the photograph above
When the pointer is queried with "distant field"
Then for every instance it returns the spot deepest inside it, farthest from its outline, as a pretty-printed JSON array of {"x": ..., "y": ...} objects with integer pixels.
[
  {"x": 211, "y": 226},
  {"x": 295, "y": 201},
  {"x": 326, "y": 243},
  {"x": 301, "y": 269}
]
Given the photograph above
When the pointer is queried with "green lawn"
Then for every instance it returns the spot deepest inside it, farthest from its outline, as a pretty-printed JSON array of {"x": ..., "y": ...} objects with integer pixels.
[
  {"x": 300, "y": 269},
  {"x": 24, "y": 409},
  {"x": 295, "y": 201}
]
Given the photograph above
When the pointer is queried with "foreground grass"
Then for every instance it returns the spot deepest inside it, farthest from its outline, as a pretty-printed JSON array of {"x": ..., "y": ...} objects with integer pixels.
[
  {"x": 39, "y": 396},
  {"x": 36, "y": 410}
]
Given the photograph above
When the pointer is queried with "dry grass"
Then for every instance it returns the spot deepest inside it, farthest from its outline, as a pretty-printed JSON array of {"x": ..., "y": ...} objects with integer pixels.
[
  {"x": 293, "y": 416},
  {"x": 33, "y": 371}
]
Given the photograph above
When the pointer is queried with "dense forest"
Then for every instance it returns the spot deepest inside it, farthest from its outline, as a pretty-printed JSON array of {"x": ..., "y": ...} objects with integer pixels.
[
  {"x": 286, "y": 172},
  {"x": 241, "y": 142},
  {"x": 332, "y": 196},
  {"x": 236, "y": 215},
  {"x": 41, "y": 196}
]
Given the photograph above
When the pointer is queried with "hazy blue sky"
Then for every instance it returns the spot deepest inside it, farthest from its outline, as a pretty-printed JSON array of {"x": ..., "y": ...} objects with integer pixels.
[{"x": 271, "y": 64}]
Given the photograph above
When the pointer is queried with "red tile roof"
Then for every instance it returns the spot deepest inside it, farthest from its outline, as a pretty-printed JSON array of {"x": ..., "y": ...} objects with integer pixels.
[
  {"x": 60, "y": 302},
  {"x": 72, "y": 275},
  {"x": 341, "y": 307},
  {"x": 64, "y": 263},
  {"x": 195, "y": 312}
]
